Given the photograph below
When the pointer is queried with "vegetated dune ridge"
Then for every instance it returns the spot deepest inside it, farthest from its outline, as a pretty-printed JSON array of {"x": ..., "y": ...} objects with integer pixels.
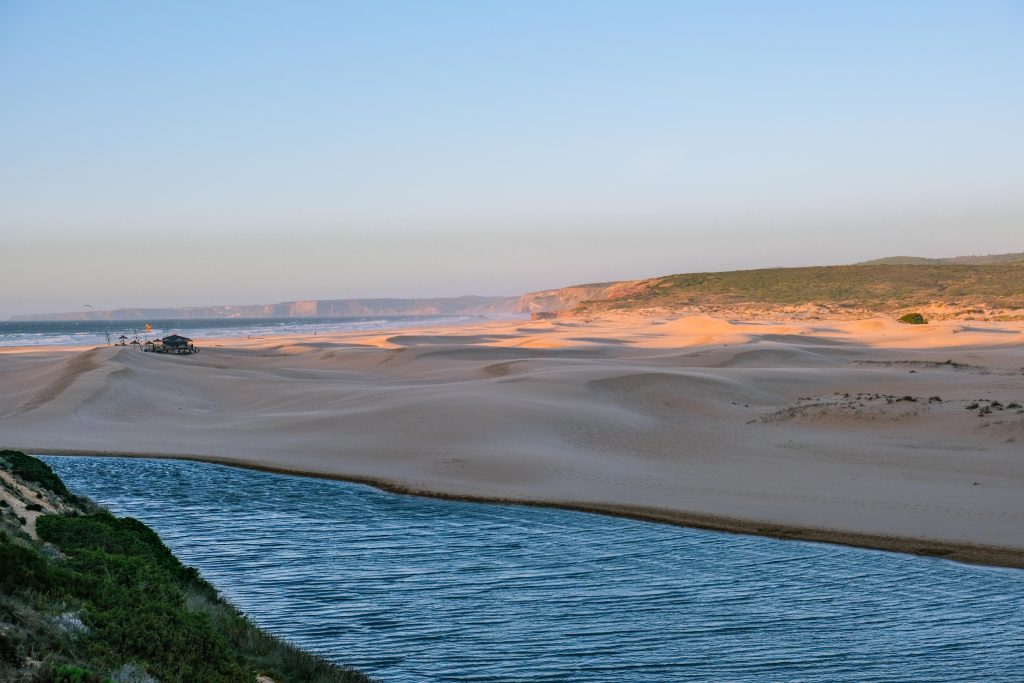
[
  {"x": 961, "y": 289},
  {"x": 863, "y": 432}
]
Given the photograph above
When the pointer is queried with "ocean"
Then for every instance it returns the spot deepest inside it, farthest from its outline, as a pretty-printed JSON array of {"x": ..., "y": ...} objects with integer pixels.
[{"x": 102, "y": 332}]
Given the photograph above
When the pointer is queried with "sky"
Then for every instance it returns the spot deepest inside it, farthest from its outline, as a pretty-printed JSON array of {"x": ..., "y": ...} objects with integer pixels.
[{"x": 194, "y": 153}]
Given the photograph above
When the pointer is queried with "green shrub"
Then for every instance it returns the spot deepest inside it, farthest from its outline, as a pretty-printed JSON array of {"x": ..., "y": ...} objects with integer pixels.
[
  {"x": 913, "y": 319},
  {"x": 70, "y": 674},
  {"x": 8, "y": 650},
  {"x": 21, "y": 567},
  {"x": 123, "y": 536},
  {"x": 33, "y": 470},
  {"x": 140, "y": 606},
  {"x": 131, "y": 586}
]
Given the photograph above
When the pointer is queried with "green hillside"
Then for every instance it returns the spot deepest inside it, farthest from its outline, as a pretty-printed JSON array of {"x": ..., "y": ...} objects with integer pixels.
[
  {"x": 877, "y": 288},
  {"x": 987, "y": 259},
  {"x": 86, "y": 597}
]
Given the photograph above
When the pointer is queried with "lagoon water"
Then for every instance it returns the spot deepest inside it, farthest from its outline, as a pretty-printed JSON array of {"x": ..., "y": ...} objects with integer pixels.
[{"x": 416, "y": 589}]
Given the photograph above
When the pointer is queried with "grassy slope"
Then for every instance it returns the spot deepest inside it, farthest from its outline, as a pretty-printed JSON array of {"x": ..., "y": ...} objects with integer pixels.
[
  {"x": 962, "y": 260},
  {"x": 879, "y": 288},
  {"x": 97, "y": 593}
]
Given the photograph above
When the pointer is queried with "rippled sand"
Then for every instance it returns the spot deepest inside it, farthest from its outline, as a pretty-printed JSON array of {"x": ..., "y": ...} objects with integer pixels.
[{"x": 869, "y": 432}]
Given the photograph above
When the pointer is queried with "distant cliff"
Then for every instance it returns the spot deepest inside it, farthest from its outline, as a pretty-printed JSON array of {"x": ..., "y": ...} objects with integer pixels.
[
  {"x": 568, "y": 298},
  {"x": 977, "y": 287},
  {"x": 462, "y": 305},
  {"x": 991, "y": 286}
]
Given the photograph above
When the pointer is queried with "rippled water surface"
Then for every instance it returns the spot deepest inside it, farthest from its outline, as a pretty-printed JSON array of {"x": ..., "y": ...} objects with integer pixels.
[
  {"x": 95, "y": 332},
  {"x": 414, "y": 589}
]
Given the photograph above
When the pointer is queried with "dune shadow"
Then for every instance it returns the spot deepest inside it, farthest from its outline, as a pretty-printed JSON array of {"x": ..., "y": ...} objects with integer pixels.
[
  {"x": 988, "y": 330},
  {"x": 444, "y": 339},
  {"x": 804, "y": 340}
]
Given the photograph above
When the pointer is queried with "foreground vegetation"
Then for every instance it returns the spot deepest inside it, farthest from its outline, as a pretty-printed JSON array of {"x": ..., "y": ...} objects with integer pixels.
[
  {"x": 877, "y": 288},
  {"x": 89, "y": 597}
]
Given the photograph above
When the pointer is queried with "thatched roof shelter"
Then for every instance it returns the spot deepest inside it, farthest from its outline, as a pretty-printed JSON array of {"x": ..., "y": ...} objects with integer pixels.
[
  {"x": 175, "y": 340},
  {"x": 174, "y": 344}
]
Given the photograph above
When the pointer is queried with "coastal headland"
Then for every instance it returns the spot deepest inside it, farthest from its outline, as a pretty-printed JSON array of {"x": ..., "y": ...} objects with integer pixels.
[{"x": 865, "y": 432}]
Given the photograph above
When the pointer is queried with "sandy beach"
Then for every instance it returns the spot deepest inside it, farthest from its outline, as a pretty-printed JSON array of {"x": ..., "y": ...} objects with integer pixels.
[{"x": 863, "y": 432}]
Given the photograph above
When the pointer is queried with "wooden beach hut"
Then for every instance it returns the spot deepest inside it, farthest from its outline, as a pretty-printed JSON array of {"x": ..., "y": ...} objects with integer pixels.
[{"x": 176, "y": 344}]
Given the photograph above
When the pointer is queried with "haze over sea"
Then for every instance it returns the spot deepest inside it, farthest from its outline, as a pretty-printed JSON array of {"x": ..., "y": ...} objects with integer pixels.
[{"x": 94, "y": 332}]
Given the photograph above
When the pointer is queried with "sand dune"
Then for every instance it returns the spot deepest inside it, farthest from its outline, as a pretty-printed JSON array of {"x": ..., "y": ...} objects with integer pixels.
[{"x": 866, "y": 432}]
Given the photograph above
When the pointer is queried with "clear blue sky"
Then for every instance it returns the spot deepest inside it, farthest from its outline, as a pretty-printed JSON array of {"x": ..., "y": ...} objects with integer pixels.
[{"x": 271, "y": 151}]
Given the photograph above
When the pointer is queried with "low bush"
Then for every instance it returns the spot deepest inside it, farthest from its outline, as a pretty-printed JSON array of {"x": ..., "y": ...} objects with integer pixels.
[
  {"x": 69, "y": 674},
  {"x": 33, "y": 470},
  {"x": 913, "y": 319},
  {"x": 131, "y": 588},
  {"x": 136, "y": 608}
]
